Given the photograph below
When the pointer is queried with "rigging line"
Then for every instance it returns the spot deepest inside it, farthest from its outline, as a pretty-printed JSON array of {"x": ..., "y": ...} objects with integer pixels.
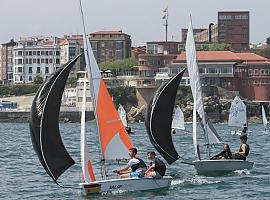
[{"x": 103, "y": 169}]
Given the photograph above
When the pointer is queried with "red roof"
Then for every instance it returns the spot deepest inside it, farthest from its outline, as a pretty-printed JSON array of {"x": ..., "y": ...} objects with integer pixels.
[{"x": 218, "y": 56}]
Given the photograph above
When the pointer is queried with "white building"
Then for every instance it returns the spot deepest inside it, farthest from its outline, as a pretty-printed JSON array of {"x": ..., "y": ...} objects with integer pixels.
[{"x": 35, "y": 57}]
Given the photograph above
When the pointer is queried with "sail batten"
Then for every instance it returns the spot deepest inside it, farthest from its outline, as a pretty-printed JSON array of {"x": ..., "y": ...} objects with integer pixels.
[
  {"x": 158, "y": 119},
  {"x": 44, "y": 123}
]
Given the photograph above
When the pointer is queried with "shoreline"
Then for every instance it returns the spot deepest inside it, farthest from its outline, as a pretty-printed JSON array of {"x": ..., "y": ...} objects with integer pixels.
[{"x": 24, "y": 116}]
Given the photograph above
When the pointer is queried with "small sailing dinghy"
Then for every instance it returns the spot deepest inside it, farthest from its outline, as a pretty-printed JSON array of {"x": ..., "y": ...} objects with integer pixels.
[
  {"x": 123, "y": 117},
  {"x": 264, "y": 119},
  {"x": 205, "y": 166},
  {"x": 237, "y": 116},
  {"x": 178, "y": 122},
  {"x": 113, "y": 139}
]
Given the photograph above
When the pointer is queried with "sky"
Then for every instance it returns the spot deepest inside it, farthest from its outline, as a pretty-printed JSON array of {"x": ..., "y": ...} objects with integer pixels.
[{"x": 141, "y": 19}]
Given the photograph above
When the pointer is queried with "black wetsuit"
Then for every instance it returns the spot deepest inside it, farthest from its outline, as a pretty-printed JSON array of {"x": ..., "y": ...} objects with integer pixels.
[{"x": 227, "y": 154}]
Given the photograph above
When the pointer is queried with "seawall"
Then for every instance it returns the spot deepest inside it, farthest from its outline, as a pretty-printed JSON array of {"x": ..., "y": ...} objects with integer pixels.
[{"x": 23, "y": 117}]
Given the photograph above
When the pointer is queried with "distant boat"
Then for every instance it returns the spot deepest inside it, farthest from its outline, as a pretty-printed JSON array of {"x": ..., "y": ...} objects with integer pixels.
[
  {"x": 264, "y": 119},
  {"x": 237, "y": 116},
  {"x": 205, "y": 166},
  {"x": 178, "y": 122},
  {"x": 123, "y": 117}
]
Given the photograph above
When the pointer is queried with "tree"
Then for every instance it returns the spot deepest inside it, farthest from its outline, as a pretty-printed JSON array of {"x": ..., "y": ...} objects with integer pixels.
[
  {"x": 38, "y": 80},
  {"x": 219, "y": 47},
  {"x": 72, "y": 81},
  {"x": 268, "y": 40},
  {"x": 118, "y": 65}
]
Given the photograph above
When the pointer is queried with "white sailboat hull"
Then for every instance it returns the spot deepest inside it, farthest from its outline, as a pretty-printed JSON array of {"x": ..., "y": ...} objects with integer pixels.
[
  {"x": 127, "y": 184},
  {"x": 221, "y": 166}
]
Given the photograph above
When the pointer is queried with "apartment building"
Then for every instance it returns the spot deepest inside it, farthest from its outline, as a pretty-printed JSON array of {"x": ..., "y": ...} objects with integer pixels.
[
  {"x": 6, "y": 63},
  {"x": 232, "y": 28},
  {"x": 35, "y": 57},
  {"x": 110, "y": 45},
  {"x": 70, "y": 47}
]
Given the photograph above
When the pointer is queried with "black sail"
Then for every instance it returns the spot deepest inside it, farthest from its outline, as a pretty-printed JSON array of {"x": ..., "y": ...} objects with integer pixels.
[
  {"x": 158, "y": 119},
  {"x": 44, "y": 123}
]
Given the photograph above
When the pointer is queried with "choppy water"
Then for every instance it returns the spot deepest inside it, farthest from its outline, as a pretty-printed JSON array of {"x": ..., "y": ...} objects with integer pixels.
[{"x": 22, "y": 176}]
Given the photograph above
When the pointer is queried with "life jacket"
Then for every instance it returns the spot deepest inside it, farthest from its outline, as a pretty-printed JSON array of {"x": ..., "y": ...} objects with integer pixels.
[
  {"x": 160, "y": 166},
  {"x": 141, "y": 164},
  {"x": 247, "y": 150}
]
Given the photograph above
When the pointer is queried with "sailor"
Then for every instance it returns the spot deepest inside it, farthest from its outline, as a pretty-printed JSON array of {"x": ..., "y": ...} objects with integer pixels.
[
  {"x": 136, "y": 167},
  {"x": 156, "y": 168},
  {"x": 243, "y": 150},
  {"x": 225, "y": 154}
]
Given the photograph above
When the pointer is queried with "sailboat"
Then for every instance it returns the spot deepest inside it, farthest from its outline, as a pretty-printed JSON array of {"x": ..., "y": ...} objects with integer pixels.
[
  {"x": 178, "y": 122},
  {"x": 123, "y": 117},
  {"x": 204, "y": 166},
  {"x": 113, "y": 139},
  {"x": 237, "y": 116},
  {"x": 264, "y": 119}
]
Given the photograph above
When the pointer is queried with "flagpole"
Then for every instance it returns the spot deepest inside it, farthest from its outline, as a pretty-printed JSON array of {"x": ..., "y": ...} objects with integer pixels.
[{"x": 165, "y": 11}]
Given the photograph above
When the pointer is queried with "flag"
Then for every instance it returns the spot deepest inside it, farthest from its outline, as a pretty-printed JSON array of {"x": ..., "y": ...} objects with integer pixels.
[{"x": 165, "y": 13}]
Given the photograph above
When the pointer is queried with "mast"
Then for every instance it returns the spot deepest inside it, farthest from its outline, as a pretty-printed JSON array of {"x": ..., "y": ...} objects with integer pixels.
[
  {"x": 165, "y": 16},
  {"x": 91, "y": 83}
]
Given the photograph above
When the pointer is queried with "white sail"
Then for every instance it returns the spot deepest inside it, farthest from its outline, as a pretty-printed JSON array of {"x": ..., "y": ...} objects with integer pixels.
[
  {"x": 238, "y": 113},
  {"x": 178, "y": 119},
  {"x": 123, "y": 115},
  {"x": 264, "y": 118},
  {"x": 193, "y": 71},
  {"x": 84, "y": 148}
]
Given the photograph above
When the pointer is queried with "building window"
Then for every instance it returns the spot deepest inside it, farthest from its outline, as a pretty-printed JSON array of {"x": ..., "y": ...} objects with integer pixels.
[
  {"x": 34, "y": 53},
  {"x": 20, "y": 53},
  {"x": 20, "y": 69},
  {"x": 38, "y": 53},
  {"x": 57, "y": 53},
  {"x": 30, "y": 70},
  {"x": 47, "y": 70},
  {"x": 250, "y": 72},
  {"x": 20, "y": 61},
  {"x": 30, "y": 79},
  {"x": 38, "y": 70}
]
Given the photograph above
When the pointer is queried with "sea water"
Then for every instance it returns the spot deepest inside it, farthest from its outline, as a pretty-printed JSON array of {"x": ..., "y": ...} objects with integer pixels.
[{"x": 23, "y": 177}]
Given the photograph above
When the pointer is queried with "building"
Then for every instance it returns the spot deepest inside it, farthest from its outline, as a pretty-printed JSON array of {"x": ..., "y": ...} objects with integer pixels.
[
  {"x": 232, "y": 28},
  {"x": 110, "y": 45},
  {"x": 70, "y": 47},
  {"x": 247, "y": 73},
  {"x": 6, "y": 62},
  {"x": 35, "y": 57}
]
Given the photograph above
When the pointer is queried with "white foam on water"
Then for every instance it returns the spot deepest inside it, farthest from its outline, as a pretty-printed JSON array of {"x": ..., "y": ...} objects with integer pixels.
[{"x": 242, "y": 172}]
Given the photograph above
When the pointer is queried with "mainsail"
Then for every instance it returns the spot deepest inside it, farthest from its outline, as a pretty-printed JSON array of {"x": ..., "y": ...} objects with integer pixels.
[
  {"x": 158, "y": 119},
  {"x": 44, "y": 123},
  {"x": 211, "y": 137},
  {"x": 178, "y": 119},
  {"x": 264, "y": 118},
  {"x": 113, "y": 137},
  {"x": 123, "y": 115},
  {"x": 238, "y": 113}
]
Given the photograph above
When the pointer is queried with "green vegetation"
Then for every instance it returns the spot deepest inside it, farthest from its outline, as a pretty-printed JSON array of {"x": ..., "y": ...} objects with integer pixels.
[
  {"x": 264, "y": 52},
  {"x": 18, "y": 90},
  {"x": 38, "y": 80},
  {"x": 72, "y": 81},
  {"x": 219, "y": 47},
  {"x": 124, "y": 95},
  {"x": 118, "y": 65}
]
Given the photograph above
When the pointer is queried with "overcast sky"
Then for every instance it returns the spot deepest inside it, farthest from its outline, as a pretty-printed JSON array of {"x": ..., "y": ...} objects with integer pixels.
[{"x": 142, "y": 19}]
